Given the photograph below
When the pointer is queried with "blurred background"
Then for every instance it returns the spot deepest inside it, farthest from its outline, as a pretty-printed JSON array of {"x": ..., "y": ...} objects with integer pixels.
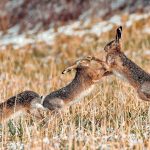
[{"x": 21, "y": 19}]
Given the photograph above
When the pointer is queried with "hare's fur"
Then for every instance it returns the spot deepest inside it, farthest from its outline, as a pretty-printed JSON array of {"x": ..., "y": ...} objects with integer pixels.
[
  {"x": 17, "y": 105},
  {"x": 82, "y": 84},
  {"x": 125, "y": 68},
  {"x": 85, "y": 78}
]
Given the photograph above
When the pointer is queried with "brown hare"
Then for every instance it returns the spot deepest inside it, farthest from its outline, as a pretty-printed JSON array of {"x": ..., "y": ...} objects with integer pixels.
[
  {"x": 82, "y": 84},
  {"x": 85, "y": 78},
  {"x": 16, "y": 105},
  {"x": 120, "y": 65}
]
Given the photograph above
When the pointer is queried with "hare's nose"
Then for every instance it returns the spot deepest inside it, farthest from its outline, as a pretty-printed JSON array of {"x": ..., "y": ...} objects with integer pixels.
[{"x": 65, "y": 71}]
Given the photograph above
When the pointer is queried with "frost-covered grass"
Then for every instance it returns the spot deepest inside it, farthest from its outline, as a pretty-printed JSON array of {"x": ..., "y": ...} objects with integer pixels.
[{"x": 112, "y": 117}]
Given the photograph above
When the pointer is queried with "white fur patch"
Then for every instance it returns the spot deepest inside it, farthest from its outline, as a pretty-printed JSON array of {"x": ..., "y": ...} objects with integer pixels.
[
  {"x": 39, "y": 106},
  {"x": 145, "y": 88},
  {"x": 119, "y": 75},
  {"x": 37, "y": 103},
  {"x": 43, "y": 97}
]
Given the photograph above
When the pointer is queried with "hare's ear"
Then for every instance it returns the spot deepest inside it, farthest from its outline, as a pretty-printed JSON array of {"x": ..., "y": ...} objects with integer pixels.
[
  {"x": 70, "y": 68},
  {"x": 118, "y": 34},
  {"x": 83, "y": 62}
]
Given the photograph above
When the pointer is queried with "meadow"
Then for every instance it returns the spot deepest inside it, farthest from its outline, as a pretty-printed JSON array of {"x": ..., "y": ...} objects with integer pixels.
[{"x": 112, "y": 117}]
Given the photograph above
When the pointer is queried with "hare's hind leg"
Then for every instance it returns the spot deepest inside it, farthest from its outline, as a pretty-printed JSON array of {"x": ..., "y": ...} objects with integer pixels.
[
  {"x": 36, "y": 108},
  {"x": 53, "y": 104},
  {"x": 144, "y": 91}
]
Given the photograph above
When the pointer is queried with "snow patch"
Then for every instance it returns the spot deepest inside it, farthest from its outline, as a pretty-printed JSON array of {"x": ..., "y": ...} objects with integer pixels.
[
  {"x": 136, "y": 17},
  {"x": 116, "y": 20},
  {"x": 16, "y": 40},
  {"x": 69, "y": 29},
  {"x": 101, "y": 27},
  {"x": 77, "y": 28},
  {"x": 117, "y": 4},
  {"x": 47, "y": 36}
]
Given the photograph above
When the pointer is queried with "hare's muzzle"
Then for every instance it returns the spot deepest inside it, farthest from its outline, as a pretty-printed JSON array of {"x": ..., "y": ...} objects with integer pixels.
[{"x": 65, "y": 71}]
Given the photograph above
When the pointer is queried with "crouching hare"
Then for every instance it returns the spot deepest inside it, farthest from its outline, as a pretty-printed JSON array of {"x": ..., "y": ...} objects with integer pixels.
[
  {"x": 120, "y": 65},
  {"x": 83, "y": 83}
]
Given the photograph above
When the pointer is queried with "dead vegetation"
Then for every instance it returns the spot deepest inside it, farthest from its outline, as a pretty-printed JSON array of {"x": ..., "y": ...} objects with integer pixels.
[{"x": 112, "y": 117}]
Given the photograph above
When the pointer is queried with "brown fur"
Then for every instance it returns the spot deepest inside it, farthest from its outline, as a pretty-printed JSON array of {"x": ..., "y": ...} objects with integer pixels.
[
  {"x": 125, "y": 68},
  {"x": 86, "y": 76},
  {"x": 20, "y": 102}
]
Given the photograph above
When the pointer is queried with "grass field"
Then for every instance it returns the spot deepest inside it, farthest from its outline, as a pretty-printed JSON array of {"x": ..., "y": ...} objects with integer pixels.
[{"x": 112, "y": 117}]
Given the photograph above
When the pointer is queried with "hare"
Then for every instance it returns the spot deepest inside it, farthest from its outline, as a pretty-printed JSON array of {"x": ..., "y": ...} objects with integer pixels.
[
  {"x": 19, "y": 104},
  {"x": 83, "y": 83},
  {"x": 120, "y": 65}
]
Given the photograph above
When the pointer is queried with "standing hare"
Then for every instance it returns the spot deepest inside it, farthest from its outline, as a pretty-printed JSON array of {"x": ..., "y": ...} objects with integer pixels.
[
  {"x": 85, "y": 78},
  {"x": 120, "y": 65},
  {"x": 82, "y": 84}
]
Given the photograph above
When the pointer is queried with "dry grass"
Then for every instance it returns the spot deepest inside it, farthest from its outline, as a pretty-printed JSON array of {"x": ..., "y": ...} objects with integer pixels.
[{"x": 112, "y": 117}]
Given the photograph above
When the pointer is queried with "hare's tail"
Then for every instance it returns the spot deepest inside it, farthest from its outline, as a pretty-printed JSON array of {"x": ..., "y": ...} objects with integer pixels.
[{"x": 17, "y": 104}]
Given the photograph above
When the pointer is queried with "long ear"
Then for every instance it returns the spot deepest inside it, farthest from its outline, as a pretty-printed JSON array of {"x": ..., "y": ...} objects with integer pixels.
[
  {"x": 68, "y": 69},
  {"x": 118, "y": 34},
  {"x": 77, "y": 64},
  {"x": 83, "y": 62},
  {"x": 103, "y": 63}
]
